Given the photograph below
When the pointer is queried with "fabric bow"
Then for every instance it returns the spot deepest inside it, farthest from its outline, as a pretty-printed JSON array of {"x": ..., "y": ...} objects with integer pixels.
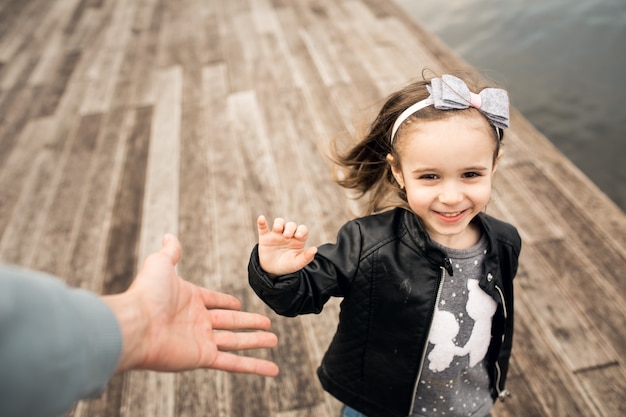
[{"x": 450, "y": 92}]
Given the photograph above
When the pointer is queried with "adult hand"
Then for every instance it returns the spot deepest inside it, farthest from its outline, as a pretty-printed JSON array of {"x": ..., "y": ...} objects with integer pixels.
[
  {"x": 169, "y": 324},
  {"x": 281, "y": 248}
]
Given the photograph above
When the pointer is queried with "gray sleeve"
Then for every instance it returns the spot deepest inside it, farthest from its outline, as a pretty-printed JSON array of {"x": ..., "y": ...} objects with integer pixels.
[{"x": 57, "y": 344}]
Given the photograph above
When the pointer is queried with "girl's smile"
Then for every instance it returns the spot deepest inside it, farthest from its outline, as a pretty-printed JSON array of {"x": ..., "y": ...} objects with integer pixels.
[{"x": 451, "y": 217}]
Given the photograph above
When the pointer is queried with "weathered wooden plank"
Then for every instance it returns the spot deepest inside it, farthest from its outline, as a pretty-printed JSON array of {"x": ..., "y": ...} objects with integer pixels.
[
  {"x": 251, "y": 142},
  {"x": 327, "y": 62},
  {"x": 194, "y": 226},
  {"x": 151, "y": 393},
  {"x": 298, "y": 383},
  {"x": 553, "y": 387},
  {"x": 103, "y": 179},
  {"x": 368, "y": 39},
  {"x": 160, "y": 206},
  {"x": 523, "y": 207},
  {"x": 18, "y": 72},
  {"x": 19, "y": 214},
  {"x": 518, "y": 403},
  {"x": 578, "y": 189},
  {"x": 607, "y": 387},
  {"x": 197, "y": 392},
  {"x": 19, "y": 19},
  {"x": 122, "y": 246},
  {"x": 250, "y": 395},
  {"x": 120, "y": 253},
  {"x": 590, "y": 240},
  {"x": 136, "y": 81},
  {"x": 312, "y": 197},
  {"x": 108, "y": 404},
  {"x": 229, "y": 196},
  {"x": 326, "y": 121},
  {"x": 53, "y": 91},
  {"x": 234, "y": 43},
  {"x": 105, "y": 66},
  {"x": 76, "y": 15},
  {"x": 571, "y": 333},
  {"x": 219, "y": 161},
  {"x": 600, "y": 303},
  {"x": 329, "y": 408},
  {"x": 263, "y": 88},
  {"x": 405, "y": 53},
  {"x": 64, "y": 210},
  {"x": 174, "y": 35},
  {"x": 16, "y": 107}
]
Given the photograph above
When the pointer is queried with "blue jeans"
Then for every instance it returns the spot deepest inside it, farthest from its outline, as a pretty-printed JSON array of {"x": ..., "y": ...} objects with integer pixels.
[{"x": 351, "y": 412}]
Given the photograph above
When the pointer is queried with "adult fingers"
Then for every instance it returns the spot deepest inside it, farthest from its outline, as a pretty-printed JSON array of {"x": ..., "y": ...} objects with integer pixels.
[
  {"x": 238, "y": 320},
  {"x": 243, "y": 364},
  {"x": 231, "y": 341},
  {"x": 218, "y": 300}
]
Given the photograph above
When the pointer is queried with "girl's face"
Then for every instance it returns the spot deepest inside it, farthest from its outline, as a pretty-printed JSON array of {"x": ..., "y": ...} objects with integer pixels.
[{"x": 447, "y": 168}]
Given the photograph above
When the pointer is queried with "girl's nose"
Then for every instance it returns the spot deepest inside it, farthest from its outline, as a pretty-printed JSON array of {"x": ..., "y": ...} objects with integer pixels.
[{"x": 450, "y": 194}]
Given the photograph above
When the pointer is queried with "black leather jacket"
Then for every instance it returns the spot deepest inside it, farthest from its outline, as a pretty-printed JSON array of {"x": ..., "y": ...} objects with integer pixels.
[{"x": 388, "y": 272}]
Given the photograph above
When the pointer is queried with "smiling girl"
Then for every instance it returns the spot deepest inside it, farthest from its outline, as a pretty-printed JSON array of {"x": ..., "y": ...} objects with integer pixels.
[{"x": 426, "y": 276}]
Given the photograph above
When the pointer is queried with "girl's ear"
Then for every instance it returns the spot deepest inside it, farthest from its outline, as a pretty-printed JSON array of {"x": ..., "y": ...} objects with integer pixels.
[
  {"x": 495, "y": 163},
  {"x": 395, "y": 169}
]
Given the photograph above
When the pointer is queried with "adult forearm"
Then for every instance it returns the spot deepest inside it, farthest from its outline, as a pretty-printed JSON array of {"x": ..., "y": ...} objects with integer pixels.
[{"x": 51, "y": 333}]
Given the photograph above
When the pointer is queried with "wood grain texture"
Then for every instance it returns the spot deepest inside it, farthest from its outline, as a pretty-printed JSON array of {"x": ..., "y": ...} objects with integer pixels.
[{"x": 120, "y": 121}]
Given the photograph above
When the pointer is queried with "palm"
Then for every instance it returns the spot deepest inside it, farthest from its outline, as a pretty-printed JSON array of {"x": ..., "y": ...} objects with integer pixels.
[{"x": 189, "y": 341}]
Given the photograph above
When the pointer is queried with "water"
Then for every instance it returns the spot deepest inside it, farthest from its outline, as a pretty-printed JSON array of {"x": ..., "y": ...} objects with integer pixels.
[{"x": 563, "y": 63}]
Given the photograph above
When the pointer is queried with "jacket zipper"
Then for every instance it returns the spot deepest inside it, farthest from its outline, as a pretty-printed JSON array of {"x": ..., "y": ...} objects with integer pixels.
[
  {"x": 419, "y": 372},
  {"x": 502, "y": 394}
]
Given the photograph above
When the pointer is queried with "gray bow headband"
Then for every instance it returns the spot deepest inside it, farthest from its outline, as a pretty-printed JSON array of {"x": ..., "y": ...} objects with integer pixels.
[{"x": 451, "y": 93}]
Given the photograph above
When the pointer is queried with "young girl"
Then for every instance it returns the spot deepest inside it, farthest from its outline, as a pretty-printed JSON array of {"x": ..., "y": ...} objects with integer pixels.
[{"x": 426, "y": 320}]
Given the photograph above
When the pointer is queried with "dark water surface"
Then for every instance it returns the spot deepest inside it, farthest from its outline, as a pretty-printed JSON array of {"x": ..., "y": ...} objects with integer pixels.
[{"x": 563, "y": 63}]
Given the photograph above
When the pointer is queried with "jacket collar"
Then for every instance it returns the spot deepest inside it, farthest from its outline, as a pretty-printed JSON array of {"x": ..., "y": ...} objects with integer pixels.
[{"x": 438, "y": 258}]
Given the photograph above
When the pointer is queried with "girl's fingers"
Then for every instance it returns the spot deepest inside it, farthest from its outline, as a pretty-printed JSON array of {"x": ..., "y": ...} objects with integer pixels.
[
  {"x": 261, "y": 224},
  {"x": 279, "y": 225},
  {"x": 309, "y": 254},
  {"x": 301, "y": 232},
  {"x": 290, "y": 229},
  {"x": 287, "y": 229}
]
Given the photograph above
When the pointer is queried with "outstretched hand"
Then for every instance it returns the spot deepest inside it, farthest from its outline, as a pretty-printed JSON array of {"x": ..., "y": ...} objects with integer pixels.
[
  {"x": 281, "y": 248},
  {"x": 169, "y": 324}
]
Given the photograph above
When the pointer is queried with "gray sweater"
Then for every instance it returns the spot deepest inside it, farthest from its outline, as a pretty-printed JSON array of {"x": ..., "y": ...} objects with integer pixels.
[{"x": 57, "y": 344}]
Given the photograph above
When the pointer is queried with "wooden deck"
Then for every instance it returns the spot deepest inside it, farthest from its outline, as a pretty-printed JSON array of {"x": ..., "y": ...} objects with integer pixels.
[{"x": 121, "y": 120}]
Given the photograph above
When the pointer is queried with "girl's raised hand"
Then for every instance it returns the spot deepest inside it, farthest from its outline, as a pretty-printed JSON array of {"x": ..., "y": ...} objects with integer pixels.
[{"x": 281, "y": 248}]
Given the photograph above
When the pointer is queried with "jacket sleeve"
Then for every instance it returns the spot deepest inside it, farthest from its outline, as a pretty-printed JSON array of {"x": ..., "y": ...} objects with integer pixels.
[
  {"x": 57, "y": 344},
  {"x": 306, "y": 291}
]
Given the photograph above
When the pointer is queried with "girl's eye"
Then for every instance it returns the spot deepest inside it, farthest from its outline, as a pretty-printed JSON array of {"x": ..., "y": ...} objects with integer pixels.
[
  {"x": 471, "y": 174},
  {"x": 428, "y": 177}
]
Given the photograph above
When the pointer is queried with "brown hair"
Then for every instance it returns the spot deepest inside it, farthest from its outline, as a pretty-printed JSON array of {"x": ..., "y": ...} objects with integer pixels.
[{"x": 364, "y": 167}]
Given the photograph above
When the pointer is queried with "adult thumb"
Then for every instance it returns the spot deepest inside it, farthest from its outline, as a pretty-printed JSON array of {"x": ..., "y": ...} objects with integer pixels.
[{"x": 171, "y": 247}]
